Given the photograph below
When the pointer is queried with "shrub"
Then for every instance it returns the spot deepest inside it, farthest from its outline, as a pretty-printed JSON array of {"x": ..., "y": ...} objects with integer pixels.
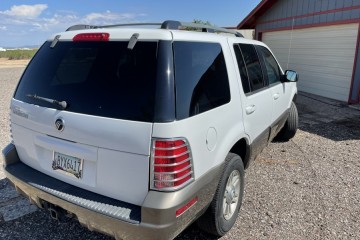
[{"x": 18, "y": 54}]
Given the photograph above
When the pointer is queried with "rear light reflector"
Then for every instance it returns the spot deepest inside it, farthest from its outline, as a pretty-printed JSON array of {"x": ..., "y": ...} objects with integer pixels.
[
  {"x": 11, "y": 135},
  {"x": 91, "y": 37},
  {"x": 186, "y": 206},
  {"x": 10, "y": 125},
  {"x": 171, "y": 164}
]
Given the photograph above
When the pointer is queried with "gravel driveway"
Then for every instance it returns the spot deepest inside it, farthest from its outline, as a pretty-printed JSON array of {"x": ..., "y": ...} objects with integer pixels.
[{"x": 307, "y": 188}]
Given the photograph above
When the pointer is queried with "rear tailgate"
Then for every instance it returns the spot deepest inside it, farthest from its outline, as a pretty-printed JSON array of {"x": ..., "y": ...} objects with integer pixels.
[
  {"x": 104, "y": 144},
  {"x": 115, "y": 153}
]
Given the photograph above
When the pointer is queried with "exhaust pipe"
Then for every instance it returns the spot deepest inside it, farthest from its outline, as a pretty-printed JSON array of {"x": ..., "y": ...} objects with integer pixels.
[{"x": 54, "y": 214}]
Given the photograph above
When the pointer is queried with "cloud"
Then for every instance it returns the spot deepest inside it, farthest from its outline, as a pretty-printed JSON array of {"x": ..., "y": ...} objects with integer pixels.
[
  {"x": 55, "y": 23},
  {"x": 63, "y": 21},
  {"x": 29, "y": 16},
  {"x": 19, "y": 23},
  {"x": 25, "y": 11},
  {"x": 110, "y": 18}
]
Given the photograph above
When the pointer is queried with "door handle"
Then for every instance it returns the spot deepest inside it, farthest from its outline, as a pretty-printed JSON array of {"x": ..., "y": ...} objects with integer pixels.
[
  {"x": 276, "y": 96},
  {"x": 250, "y": 109}
]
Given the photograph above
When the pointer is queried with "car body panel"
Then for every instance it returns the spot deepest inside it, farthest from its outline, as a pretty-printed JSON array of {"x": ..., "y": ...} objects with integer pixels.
[{"x": 112, "y": 150}]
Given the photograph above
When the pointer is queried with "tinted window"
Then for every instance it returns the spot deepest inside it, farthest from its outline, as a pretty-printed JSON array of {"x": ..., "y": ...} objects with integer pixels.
[
  {"x": 97, "y": 78},
  {"x": 271, "y": 66},
  {"x": 242, "y": 69},
  {"x": 253, "y": 66},
  {"x": 201, "y": 78}
]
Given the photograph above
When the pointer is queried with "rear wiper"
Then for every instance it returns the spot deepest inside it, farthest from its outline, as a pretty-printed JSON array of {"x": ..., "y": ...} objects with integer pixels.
[{"x": 61, "y": 104}]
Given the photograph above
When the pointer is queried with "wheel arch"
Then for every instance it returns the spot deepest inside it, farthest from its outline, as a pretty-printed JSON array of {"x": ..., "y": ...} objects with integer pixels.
[
  {"x": 242, "y": 148},
  {"x": 295, "y": 97}
]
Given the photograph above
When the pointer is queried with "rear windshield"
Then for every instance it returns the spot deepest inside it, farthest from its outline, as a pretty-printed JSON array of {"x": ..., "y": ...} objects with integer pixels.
[{"x": 96, "y": 78}]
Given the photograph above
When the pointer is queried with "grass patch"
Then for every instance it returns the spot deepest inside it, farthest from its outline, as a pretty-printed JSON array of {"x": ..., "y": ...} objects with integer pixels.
[{"x": 18, "y": 54}]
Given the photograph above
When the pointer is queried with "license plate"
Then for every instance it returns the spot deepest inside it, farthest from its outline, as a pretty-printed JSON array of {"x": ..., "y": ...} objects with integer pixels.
[{"x": 67, "y": 164}]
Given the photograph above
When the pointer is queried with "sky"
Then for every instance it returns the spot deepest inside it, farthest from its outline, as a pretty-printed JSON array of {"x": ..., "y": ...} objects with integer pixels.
[{"x": 31, "y": 22}]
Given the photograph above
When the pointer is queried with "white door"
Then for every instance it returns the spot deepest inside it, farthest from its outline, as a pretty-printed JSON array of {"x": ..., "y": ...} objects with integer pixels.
[
  {"x": 255, "y": 95},
  {"x": 323, "y": 57},
  {"x": 281, "y": 93}
]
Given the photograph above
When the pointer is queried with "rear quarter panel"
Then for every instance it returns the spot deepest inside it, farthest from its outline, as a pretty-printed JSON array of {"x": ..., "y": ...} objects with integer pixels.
[{"x": 226, "y": 120}]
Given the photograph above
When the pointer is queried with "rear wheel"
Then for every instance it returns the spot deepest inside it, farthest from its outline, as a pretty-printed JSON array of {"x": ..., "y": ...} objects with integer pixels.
[
  {"x": 291, "y": 125},
  {"x": 223, "y": 210}
]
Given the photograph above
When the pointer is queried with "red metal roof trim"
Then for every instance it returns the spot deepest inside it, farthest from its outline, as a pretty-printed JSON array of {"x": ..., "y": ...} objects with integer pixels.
[{"x": 250, "y": 20}]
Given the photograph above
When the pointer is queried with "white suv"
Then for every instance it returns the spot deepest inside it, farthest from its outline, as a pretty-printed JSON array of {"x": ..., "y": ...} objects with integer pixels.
[{"x": 138, "y": 132}]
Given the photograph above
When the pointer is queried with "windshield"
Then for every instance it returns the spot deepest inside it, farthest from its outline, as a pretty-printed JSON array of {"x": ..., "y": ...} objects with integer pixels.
[{"x": 96, "y": 78}]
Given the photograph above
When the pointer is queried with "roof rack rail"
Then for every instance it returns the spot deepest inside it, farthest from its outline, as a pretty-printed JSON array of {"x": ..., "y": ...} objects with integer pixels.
[
  {"x": 204, "y": 28},
  {"x": 83, "y": 26},
  {"x": 169, "y": 24},
  {"x": 80, "y": 27}
]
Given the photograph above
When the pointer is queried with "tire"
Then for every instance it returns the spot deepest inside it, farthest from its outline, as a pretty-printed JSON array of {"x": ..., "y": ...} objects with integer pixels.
[
  {"x": 218, "y": 220},
  {"x": 291, "y": 125}
]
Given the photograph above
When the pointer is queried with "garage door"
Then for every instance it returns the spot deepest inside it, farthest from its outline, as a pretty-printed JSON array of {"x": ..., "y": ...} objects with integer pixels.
[{"x": 323, "y": 56}]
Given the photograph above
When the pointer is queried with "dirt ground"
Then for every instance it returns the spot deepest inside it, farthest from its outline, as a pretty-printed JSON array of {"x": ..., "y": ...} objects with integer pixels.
[{"x": 5, "y": 63}]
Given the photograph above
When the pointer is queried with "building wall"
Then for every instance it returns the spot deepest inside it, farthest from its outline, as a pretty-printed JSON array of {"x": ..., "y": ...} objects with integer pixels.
[
  {"x": 323, "y": 57},
  {"x": 294, "y": 13},
  {"x": 301, "y": 14},
  {"x": 355, "y": 88}
]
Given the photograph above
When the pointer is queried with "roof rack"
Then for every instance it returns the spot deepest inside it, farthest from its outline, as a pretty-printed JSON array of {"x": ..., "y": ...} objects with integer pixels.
[
  {"x": 204, "y": 28},
  {"x": 169, "y": 24}
]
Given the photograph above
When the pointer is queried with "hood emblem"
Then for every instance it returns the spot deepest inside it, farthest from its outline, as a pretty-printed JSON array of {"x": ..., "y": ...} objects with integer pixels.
[{"x": 59, "y": 124}]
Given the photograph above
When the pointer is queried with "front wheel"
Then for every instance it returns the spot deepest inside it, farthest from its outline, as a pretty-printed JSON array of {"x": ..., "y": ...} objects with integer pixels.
[{"x": 223, "y": 210}]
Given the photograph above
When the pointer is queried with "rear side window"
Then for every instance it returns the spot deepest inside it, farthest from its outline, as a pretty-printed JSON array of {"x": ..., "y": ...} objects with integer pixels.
[
  {"x": 201, "y": 78},
  {"x": 242, "y": 69},
  {"x": 96, "y": 78},
  {"x": 253, "y": 67},
  {"x": 271, "y": 66}
]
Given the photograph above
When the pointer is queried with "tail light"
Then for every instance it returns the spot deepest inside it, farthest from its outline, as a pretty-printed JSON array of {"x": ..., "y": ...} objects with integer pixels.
[
  {"x": 171, "y": 164},
  {"x": 89, "y": 37}
]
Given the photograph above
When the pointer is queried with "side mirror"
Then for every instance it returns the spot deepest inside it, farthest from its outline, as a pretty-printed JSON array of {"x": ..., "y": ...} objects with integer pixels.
[{"x": 290, "y": 76}]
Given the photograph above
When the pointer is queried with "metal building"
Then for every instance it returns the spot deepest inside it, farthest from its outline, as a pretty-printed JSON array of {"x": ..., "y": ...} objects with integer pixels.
[{"x": 318, "y": 38}]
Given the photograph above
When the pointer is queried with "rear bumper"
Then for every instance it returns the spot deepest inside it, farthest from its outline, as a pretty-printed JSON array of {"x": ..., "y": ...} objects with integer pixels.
[{"x": 155, "y": 219}]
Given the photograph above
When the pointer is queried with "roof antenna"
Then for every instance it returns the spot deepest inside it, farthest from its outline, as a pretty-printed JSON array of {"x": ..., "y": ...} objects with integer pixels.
[
  {"x": 291, "y": 38},
  {"x": 133, "y": 41}
]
